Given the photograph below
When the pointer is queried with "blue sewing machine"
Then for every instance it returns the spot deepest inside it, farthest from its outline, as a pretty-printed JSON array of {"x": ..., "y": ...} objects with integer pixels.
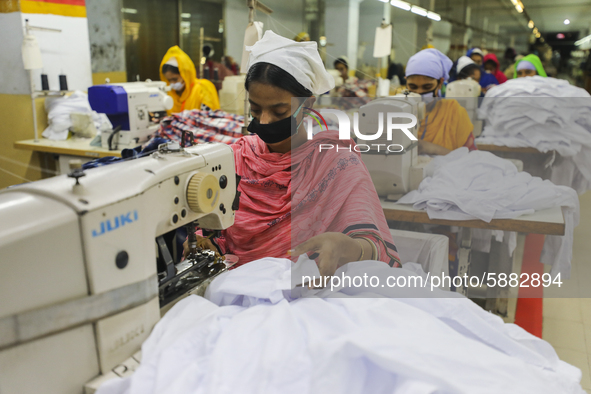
[{"x": 131, "y": 108}]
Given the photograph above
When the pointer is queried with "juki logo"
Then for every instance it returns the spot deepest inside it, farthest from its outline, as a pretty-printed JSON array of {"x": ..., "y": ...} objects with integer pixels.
[{"x": 113, "y": 224}]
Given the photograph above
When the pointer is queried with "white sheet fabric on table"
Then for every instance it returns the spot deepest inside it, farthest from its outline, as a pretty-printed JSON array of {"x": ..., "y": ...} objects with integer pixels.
[
  {"x": 465, "y": 185},
  {"x": 431, "y": 251},
  {"x": 245, "y": 340},
  {"x": 58, "y": 115},
  {"x": 547, "y": 114}
]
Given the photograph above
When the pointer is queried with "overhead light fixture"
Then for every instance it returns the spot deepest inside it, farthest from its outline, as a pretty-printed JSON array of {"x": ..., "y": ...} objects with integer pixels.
[
  {"x": 538, "y": 35},
  {"x": 401, "y": 4},
  {"x": 519, "y": 8},
  {"x": 515, "y": 2},
  {"x": 567, "y": 22},
  {"x": 418, "y": 10},
  {"x": 434, "y": 16},
  {"x": 384, "y": 1},
  {"x": 185, "y": 15},
  {"x": 129, "y": 10},
  {"x": 530, "y": 24},
  {"x": 536, "y": 30}
]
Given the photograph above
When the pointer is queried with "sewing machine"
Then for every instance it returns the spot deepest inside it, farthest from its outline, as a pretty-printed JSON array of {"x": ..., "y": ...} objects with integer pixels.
[
  {"x": 89, "y": 261},
  {"x": 466, "y": 92},
  {"x": 130, "y": 107},
  {"x": 393, "y": 173}
]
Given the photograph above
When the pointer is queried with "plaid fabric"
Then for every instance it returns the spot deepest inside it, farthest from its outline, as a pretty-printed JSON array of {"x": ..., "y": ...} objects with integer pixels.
[
  {"x": 202, "y": 126},
  {"x": 358, "y": 88},
  {"x": 355, "y": 94}
]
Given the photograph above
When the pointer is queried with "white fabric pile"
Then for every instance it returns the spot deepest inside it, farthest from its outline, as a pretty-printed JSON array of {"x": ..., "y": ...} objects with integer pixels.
[
  {"x": 465, "y": 185},
  {"x": 547, "y": 114},
  {"x": 251, "y": 337},
  {"x": 58, "y": 115},
  {"x": 430, "y": 251}
]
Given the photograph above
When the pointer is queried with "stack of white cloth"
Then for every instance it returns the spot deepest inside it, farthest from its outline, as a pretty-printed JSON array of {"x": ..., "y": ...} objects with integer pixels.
[
  {"x": 465, "y": 185},
  {"x": 59, "y": 110},
  {"x": 547, "y": 114},
  {"x": 251, "y": 336}
]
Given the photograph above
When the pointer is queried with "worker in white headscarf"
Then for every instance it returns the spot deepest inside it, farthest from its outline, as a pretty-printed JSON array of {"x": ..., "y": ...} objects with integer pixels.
[
  {"x": 477, "y": 55},
  {"x": 467, "y": 68},
  {"x": 447, "y": 125},
  {"x": 292, "y": 192}
]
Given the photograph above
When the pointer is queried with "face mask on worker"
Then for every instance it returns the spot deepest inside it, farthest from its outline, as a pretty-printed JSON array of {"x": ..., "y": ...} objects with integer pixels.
[
  {"x": 177, "y": 85},
  {"x": 272, "y": 133},
  {"x": 429, "y": 96}
]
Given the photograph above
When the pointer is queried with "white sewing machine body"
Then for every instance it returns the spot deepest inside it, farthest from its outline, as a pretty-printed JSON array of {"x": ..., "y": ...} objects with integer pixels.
[
  {"x": 80, "y": 284},
  {"x": 467, "y": 93},
  {"x": 129, "y": 105},
  {"x": 393, "y": 173}
]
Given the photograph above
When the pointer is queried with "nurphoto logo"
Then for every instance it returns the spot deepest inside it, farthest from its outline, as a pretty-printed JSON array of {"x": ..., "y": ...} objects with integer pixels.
[{"x": 392, "y": 120}]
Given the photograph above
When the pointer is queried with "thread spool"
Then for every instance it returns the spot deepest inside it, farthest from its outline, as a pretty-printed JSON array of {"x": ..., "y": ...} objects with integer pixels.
[
  {"x": 63, "y": 83},
  {"x": 44, "y": 82}
]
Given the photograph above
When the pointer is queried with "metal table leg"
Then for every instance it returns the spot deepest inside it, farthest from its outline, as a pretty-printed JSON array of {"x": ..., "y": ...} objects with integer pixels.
[{"x": 464, "y": 254}]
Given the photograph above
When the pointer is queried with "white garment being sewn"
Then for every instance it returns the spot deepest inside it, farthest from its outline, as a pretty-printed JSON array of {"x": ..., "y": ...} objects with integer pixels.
[
  {"x": 354, "y": 340},
  {"x": 465, "y": 185},
  {"x": 547, "y": 114}
]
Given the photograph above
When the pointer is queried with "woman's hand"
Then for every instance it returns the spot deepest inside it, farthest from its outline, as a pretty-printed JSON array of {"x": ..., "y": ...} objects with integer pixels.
[
  {"x": 202, "y": 242},
  {"x": 429, "y": 148},
  {"x": 334, "y": 250}
]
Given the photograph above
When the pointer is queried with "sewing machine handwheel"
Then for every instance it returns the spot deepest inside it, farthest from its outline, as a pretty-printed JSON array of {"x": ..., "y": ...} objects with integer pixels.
[{"x": 202, "y": 192}]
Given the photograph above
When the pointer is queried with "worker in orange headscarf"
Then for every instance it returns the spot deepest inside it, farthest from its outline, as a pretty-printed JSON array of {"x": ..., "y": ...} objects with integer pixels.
[{"x": 187, "y": 91}]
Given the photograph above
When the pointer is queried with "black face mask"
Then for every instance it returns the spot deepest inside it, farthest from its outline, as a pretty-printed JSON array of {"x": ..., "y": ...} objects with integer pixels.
[{"x": 275, "y": 132}]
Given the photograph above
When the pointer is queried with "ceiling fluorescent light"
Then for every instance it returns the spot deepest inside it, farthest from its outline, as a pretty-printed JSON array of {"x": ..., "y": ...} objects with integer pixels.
[
  {"x": 519, "y": 8},
  {"x": 434, "y": 16},
  {"x": 384, "y": 1},
  {"x": 566, "y": 21},
  {"x": 418, "y": 10},
  {"x": 401, "y": 4},
  {"x": 129, "y": 10},
  {"x": 185, "y": 15},
  {"x": 530, "y": 24}
]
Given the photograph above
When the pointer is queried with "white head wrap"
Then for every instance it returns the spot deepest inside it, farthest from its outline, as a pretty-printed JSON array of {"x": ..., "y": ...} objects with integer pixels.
[
  {"x": 525, "y": 65},
  {"x": 429, "y": 62},
  {"x": 172, "y": 62},
  {"x": 477, "y": 51},
  {"x": 300, "y": 59},
  {"x": 463, "y": 62}
]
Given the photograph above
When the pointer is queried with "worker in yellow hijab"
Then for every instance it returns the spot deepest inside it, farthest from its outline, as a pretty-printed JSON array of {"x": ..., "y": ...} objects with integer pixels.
[{"x": 188, "y": 92}]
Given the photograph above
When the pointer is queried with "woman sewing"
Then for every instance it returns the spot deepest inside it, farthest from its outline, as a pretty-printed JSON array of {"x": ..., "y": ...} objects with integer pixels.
[
  {"x": 295, "y": 198},
  {"x": 188, "y": 92},
  {"x": 447, "y": 125},
  {"x": 529, "y": 66}
]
